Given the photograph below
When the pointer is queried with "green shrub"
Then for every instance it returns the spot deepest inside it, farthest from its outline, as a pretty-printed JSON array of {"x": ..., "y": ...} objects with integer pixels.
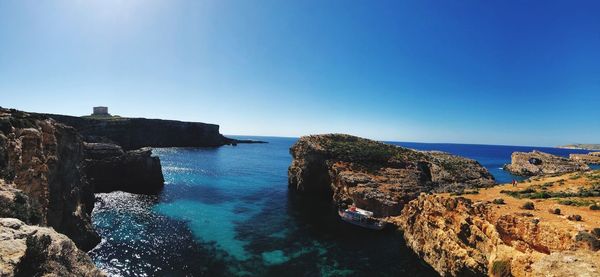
[
  {"x": 554, "y": 211},
  {"x": 501, "y": 269},
  {"x": 595, "y": 207},
  {"x": 498, "y": 201},
  {"x": 589, "y": 239},
  {"x": 596, "y": 232},
  {"x": 575, "y": 177},
  {"x": 574, "y": 217},
  {"x": 575, "y": 202},
  {"x": 528, "y": 206}
]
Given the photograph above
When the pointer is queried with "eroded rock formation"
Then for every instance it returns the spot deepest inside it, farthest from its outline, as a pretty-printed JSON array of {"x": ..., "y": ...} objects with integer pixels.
[
  {"x": 459, "y": 237},
  {"x": 540, "y": 163},
  {"x": 109, "y": 168},
  {"x": 39, "y": 251},
  {"x": 16, "y": 204},
  {"x": 590, "y": 158},
  {"x": 378, "y": 177},
  {"x": 42, "y": 158}
]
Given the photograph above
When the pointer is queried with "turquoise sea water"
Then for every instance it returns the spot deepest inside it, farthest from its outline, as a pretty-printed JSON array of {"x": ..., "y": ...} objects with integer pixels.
[{"x": 227, "y": 212}]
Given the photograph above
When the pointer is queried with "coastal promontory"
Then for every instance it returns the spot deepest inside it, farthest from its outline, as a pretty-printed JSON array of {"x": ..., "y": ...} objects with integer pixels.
[
  {"x": 540, "y": 163},
  {"x": 135, "y": 133},
  {"x": 452, "y": 214},
  {"x": 377, "y": 176}
]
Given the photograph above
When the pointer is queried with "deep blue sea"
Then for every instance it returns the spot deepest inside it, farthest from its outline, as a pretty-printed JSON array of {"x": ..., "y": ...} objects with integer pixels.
[{"x": 227, "y": 212}]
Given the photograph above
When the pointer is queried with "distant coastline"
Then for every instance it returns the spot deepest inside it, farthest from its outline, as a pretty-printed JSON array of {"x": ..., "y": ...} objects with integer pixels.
[{"x": 581, "y": 146}]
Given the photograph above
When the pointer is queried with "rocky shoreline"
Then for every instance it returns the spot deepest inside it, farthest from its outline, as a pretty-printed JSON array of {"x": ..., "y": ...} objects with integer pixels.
[
  {"x": 450, "y": 211},
  {"x": 49, "y": 172}
]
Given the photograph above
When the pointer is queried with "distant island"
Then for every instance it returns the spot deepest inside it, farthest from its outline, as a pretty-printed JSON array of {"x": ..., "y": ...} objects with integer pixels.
[{"x": 581, "y": 146}]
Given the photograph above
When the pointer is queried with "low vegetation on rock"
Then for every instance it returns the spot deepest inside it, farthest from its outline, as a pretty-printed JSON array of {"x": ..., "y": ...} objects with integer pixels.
[
  {"x": 498, "y": 201},
  {"x": 590, "y": 239},
  {"x": 554, "y": 211},
  {"x": 528, "y": 206},
  {"x": 575, "y": 217},
  {"x": 501, "y": 269}
]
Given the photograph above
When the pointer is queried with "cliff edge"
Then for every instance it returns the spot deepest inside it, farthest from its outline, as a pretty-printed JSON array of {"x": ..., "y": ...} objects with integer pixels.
[
  {"x": 135, "y": 133},
  {"x": 378, "y": 177},
  {"x": 542, "y": 227},
  {"x": 42, "y": 159}
]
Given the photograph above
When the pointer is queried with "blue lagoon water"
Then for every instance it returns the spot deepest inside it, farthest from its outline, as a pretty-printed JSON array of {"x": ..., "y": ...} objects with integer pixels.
[{"x": 227, "y": 212}]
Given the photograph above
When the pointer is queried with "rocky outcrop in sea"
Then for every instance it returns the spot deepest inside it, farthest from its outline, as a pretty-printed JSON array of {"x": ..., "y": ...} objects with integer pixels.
[
  {"x": 109, "y": 168},
  {"x": 375, "y": 176},
  {"x": 539, "y": 163}
]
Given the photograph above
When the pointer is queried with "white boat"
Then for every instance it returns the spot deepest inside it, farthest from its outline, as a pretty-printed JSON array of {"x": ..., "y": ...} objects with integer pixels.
[{"x": 360, "y": 217}]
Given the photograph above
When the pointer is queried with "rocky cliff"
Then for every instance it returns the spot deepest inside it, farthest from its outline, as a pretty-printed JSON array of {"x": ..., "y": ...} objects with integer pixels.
[
  {"x": 492, "y": 233},
  {"x": 540, "y": 163},
  {"x": 42, "y": 160},
  {"x": 108, "y": 168},
  {"x": 378, "y": 177},
  {"x": 134, "y": 133},
  {"x": 460, "y": 237},
  {"x": 590, "y": 158},
  {"x": 39, "y": 251}
]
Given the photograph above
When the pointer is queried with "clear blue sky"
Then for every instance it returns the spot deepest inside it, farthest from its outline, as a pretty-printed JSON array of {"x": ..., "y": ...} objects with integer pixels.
[{"x": 494, "y": 72}]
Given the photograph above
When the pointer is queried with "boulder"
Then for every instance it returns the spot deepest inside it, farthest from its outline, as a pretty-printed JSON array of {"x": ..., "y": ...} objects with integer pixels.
[
  {"x": 540, "y": 163},
  {"x": 38, "y": 251}
]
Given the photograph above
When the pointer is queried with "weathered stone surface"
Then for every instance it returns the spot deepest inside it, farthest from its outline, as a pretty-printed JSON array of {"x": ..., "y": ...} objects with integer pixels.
[
  {"x": 590, "y": 158},
  {"x": 16, "y": 204},
  {"x": 568, "y": 263},
  {"x": 459, "y": 237},
  {"x": 108, "y": 169},
  {"x": 540, "y": 163},
  {"x": 377, "y": 176},
  {"x": 42, "y": 159},
  {"x": 38, "y": 251},
  {"x": 99, "y": 151}
]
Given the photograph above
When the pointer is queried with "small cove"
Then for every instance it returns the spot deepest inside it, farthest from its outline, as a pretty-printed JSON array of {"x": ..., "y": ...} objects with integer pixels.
[{"x": 227, "y": 212}]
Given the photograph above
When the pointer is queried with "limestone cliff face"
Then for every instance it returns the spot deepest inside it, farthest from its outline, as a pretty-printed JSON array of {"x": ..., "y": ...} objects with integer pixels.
[
  {"x": 134, "y": 133},
  {"x": 540, "y": 163},
  {"x": 39, "y": 251},
  {"x": 458, "y": 237},
  {"x": 42, "y": 159},
  {"x": 376, "y": 176},
  {"x": 16, "y": 204},
  {"x": 108, "y": 168}
]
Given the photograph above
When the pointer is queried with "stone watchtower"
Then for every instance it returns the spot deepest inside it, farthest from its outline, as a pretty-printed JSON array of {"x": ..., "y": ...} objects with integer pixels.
[{"x": 100, "y": 111}]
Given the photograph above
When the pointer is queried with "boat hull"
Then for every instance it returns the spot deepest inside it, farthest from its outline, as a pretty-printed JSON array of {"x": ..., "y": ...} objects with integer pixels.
[{"x": 377, "y": 225}]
